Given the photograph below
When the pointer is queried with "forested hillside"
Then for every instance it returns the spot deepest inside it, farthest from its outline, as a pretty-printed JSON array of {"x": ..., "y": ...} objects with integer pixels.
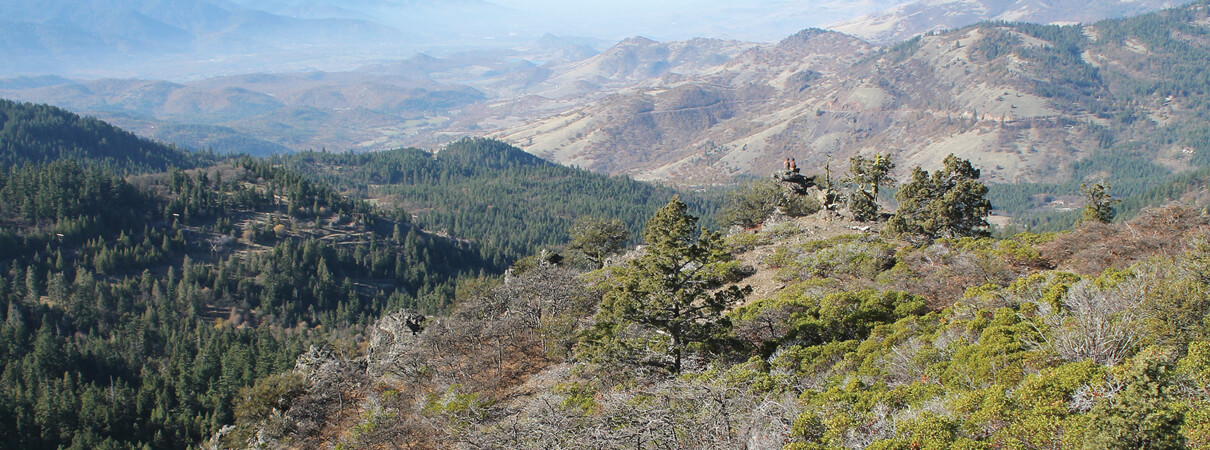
[
  {"x": 135, "y": 309},
  {"x": 32, "y": 133},
  {"x": 1151, "y": 107},
  {"x": 510, "y": 203},
  {"x": 146, "y": 290},
  {"x": 151, "y": 298}
]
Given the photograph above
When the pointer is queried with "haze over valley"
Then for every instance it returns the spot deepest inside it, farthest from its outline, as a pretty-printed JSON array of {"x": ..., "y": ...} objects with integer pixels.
[
  {"x": 730, "y": 88},
  {"x": 539, "y": 224}
]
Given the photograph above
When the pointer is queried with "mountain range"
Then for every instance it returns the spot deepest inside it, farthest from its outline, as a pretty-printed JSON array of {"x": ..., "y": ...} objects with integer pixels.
[
  {"x": 183, "y": 40},
  {"x": 1026, "y": 102},
  {"x": 171, "y": 38},
  {"x": 905, "y": 20},
  {"x": 705, "y": 110}
]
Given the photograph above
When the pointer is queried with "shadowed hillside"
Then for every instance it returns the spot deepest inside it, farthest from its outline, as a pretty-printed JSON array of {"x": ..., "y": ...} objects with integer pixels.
[{"x": 39, "y": 134}]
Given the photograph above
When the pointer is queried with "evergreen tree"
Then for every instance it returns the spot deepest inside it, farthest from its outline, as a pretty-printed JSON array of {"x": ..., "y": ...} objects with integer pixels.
[
  {"x": 1098, "y": 204},
  {"x": 869, "y": 175},
  {"x": 950, "y": 202},
  {"x": 667, "y": 294}
]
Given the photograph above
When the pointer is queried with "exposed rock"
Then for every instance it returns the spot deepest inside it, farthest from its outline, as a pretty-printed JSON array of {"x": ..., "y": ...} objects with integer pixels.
[{"x": 799, "y": 182}]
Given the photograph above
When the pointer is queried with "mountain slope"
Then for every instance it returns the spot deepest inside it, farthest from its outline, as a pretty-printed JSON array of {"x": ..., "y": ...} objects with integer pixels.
[
  {"x": 39, "y": 133},
  {"x": 666, "y": 128},
  {"x": 1024, "y": 102},
  {"x": 904, "y": 21},
  {"x": 509, "y": 202},
  {"x": 848, "y": 340},
  {"x": 135, "y": 311}
]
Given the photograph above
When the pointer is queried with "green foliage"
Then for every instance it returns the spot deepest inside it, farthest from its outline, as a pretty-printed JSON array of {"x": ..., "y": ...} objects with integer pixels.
[
  {"x": 812, "y": 321},
  {"x": 949, "y": 203},
  {"x": 1098, "y": 204},
  {"x": 269, "y": 396},
  {"x": 928, "y": 431},
  {"x": 597, "y": 238},
  {"x": 902, "y": 51},
  {"x": 1141, "y": 414},
  {"x": 509, "y": 202},
  {"x": 796, "y": 205},
  {"x": 64, "y": 202},
  {"x": 995, "y": 43},
  {"x": 1021, "y": 250},
  {"x": 868, "y": 175},
  {"x": 457, "y": 405},
  {"x": 1196, "y": 364},
  {"x": 666, "y": 291},
  {"x": 751, "y": 204},
  {"x": 40, "y": 134},
  {"x": 138, "y": 316},
  {"x": 577, "y": 396},
  {"x": 1196, "y": 428},
  {"x": 840, "y": 257},
  {"x": 744, "y": 241},
  {"x": 980, "y": 374}
]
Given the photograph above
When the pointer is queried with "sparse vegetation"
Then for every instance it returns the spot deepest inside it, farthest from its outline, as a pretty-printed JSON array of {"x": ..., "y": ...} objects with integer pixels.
[{"x": 1027, "y": 356}]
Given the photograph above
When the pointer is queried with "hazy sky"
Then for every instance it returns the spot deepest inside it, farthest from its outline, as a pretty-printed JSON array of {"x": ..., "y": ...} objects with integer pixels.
[{"x": 765, "y": 20}]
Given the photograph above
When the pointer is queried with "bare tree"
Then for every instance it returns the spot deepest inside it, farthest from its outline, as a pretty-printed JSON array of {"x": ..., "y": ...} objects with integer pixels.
[
  {"x": 550, "y": 302},
  {"x": 1094, "y": 323}
]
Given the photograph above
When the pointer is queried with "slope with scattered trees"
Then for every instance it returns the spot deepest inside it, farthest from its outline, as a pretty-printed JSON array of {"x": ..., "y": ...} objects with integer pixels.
[
  {"x": 870, "y": 341},
  {"x": 921, "y": 331}
]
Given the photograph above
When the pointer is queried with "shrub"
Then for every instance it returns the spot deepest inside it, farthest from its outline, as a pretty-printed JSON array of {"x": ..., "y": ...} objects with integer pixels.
[{"x": 845, "y": 256}]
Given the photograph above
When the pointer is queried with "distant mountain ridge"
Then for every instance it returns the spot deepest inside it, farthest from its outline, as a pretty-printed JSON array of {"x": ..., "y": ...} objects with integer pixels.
[
  {"x": 1025, "y": 102},
  {"x": 684, "y": 111},
  {"x": 256, "y": 114},
  {"x": 910, "y": 19},
  {"x": 172, "y": 37},
  {"x": 402, "y": 103}
]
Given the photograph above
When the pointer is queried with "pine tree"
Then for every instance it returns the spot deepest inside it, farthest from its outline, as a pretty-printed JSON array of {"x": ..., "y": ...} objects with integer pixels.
[
  {"x": 1098, "y": 204},
  {"x": 667, "y": 291}
]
